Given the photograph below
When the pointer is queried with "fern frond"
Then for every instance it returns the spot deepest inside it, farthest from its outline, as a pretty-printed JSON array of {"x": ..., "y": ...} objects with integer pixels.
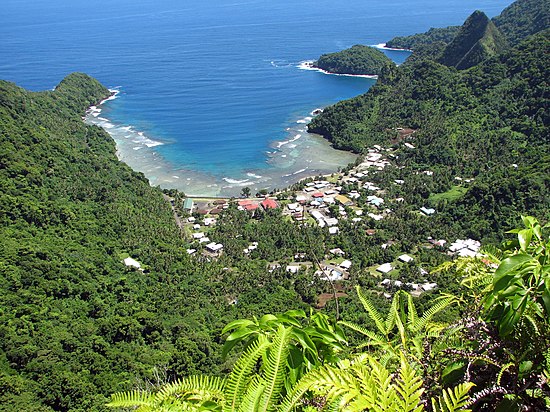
[
  {"x": 453, "y": 399},
  {"x": 252, "y": 397},
  {"x": 131, "y": 399},
  {"x": 427, "y": 316},
  {"x": 375, "y": 339},
  {"x": 372, "y": 311},
  {"x": 409, "y": 387},
  {"x": 198, "y": 387},
  {"x": 274, "y": 368},
  {"x": 239, "y": 378}
]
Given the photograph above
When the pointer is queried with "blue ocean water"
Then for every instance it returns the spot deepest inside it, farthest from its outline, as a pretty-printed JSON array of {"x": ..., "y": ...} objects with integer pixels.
[{"x": 211, "y": 94}]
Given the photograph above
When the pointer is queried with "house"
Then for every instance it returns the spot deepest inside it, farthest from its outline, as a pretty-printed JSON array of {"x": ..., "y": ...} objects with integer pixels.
[
  {"x": 405, "y": 258},
  {"x": 196, "y": 226},
  {"x": 132, "y": 263},
  {"x": 188, "y": 204},
  {"x": 191, "y": 219},
  {"x": 292, "y": 268},
  {"x": 333, "y": 230},
  {"x": 346, "y": 264},
  {"x": 268, "y": 203},
  {"x": 427, "y": 211},
  {"x": 318, "y": 195},
  {"x": 409, "y": 146},
  {"x": 301, "y": 199},
  {"x": 331, "y": 221},
  {"x": 343, "y": 200},
  {"x": 209, "y": 221},
  {"x": 204, "y": 240},
  {"x": 337, "y": 251},
  {"x": 214, "y": 247},
  {"x": 191, "y": 251},
  {"x": 198, "y": 235},
  {"x": 385, "y": 268},
  {"x": 428, "y": 286}
]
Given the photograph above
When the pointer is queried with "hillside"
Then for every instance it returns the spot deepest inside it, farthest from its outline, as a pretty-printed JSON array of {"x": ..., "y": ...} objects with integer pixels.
[
  {"x": 473, "y": 123},
  {"x": 517, "y": 21},
  {"x": 477, "y": 40},
  {"x": 76, "y": 324},
  {"x": 415, "y": 41},
  {"x": 357, "y": 60},
  {"x": 523, "y": 18}
]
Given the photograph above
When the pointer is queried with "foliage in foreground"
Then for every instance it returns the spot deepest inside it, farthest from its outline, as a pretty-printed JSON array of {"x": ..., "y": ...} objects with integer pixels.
[{"x": 262, "y": 379}]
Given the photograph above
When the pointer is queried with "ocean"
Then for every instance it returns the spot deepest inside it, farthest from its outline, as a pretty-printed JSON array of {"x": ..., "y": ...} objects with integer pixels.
[{"x": 212, "y": 96}]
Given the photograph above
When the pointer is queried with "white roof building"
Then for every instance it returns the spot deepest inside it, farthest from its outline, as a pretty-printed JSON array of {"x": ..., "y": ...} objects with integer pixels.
[
  {"x": 346, "y": 264},
  {"x": 214, "y": 247},
  {"x": 198, "y": 235},
  {"x": 132, "y": 263},
  {"x": 385, "y": 268},
  {"x": 405, "y": 258}
]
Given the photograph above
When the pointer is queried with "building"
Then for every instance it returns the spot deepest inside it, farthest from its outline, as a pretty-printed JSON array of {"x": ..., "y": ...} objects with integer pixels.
[
  {"x": 343, "y": 200},
  {"x": 214, "y": 247},
  {"x": 385, "y": 268},
  {"x": 405, "y": 258},
  {"x": 188, "y": 204},
  {"x": 268, "y": 203}
]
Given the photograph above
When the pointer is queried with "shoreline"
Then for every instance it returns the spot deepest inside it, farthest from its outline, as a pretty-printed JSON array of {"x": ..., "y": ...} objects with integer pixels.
[
  {"x": 299, "y": 156},
  {"x": 308, "y": 65}
]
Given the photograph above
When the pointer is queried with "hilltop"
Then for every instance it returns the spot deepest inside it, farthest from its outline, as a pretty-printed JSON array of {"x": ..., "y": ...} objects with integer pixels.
[{"x": 357, "y": 60}]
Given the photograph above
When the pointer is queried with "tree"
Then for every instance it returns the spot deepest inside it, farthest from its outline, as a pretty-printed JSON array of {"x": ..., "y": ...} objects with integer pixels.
[{"x": 245, "y": 192}]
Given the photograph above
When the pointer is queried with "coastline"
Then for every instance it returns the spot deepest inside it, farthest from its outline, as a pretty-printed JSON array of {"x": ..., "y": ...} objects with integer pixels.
[
  {"x": 299, "y": 156},
  {"x": 308, "y": 65}
]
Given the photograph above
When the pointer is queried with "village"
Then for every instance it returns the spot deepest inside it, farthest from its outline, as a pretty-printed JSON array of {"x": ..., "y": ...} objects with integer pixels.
[{"x": 327, "y": 202}]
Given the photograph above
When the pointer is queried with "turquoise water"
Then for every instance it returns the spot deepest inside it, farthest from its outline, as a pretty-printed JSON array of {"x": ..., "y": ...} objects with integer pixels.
[{"x": 211, "y": 94}]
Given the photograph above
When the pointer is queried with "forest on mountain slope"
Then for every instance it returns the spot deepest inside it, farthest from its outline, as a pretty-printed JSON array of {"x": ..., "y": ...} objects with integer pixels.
[
  {"x": 77, "y": 325},
  {"x": 517, "y": 21}
]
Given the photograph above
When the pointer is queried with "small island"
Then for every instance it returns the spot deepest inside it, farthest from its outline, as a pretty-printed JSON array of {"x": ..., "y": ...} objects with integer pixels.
[{"x": 358, "y": 60}]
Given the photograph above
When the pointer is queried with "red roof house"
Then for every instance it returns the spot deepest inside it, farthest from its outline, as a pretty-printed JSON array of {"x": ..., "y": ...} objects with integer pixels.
[{"x": 269, "y": 204}]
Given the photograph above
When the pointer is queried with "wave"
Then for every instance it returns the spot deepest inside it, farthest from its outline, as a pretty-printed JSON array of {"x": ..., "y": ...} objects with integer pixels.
[
  {"x": 284, "y": 142},
  {"x": 254, "y": 175},
  {"x": 382, "y": 46},
  {"x": 299, "y": 171},
  {"x": 235, "y": 181},
  {"x": 308, "y": 65}
]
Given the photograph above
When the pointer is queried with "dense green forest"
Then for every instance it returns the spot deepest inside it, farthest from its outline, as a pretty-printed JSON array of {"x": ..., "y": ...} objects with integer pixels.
[
  {"x": 77, "y": 325},
  {"x": 487, "y": 123},
  {"x": 517, "y": 21},
  {"x": 357, "y": 60}
]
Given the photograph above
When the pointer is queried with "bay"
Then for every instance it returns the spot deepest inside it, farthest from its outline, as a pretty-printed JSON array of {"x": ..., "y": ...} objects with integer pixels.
[{"x": 211, "y": 94}]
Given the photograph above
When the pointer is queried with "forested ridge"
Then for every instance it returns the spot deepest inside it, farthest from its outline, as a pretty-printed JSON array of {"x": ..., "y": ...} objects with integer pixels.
[
  {"x": 517, "y": 21},
  {"x": 489, "y": 123}
]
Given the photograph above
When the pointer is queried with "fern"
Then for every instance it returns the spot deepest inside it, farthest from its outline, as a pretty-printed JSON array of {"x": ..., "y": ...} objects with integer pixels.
[
  {"x": 453, "y": 400},
  {"x": 373, "y": 313},
  {"x": 239, "y": 377},
  {"x": 274, "y": 369}
]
